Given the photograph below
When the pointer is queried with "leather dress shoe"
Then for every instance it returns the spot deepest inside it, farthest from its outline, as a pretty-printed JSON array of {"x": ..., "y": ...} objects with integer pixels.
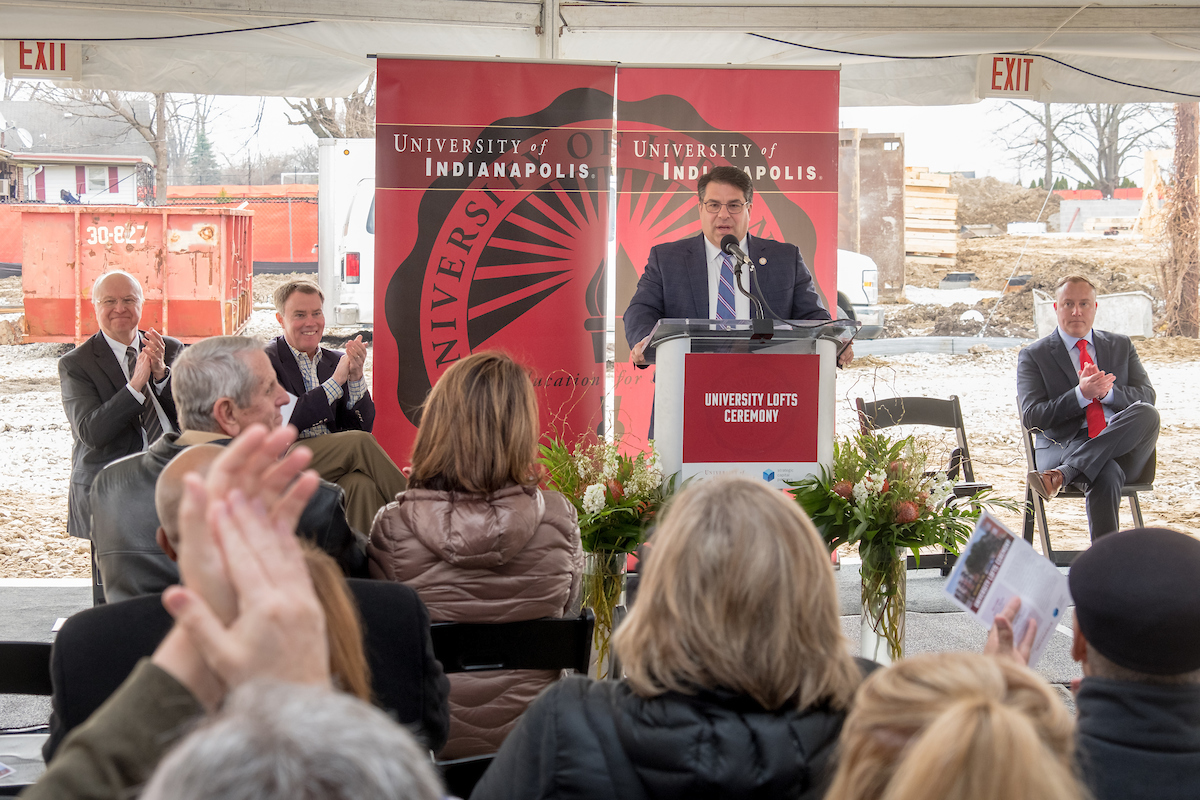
[{"x": 1046, "y": 483}]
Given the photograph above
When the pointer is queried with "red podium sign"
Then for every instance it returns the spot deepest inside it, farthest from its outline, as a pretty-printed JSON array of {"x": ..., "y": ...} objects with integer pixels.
[{"x": 758, "y": 408}]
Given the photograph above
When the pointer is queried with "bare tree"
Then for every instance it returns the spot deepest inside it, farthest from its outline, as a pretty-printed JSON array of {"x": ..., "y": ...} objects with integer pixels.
[
  {"x": 1093, "y": 141},
  {"x": 145, "y": 114},
  {"x": 350, "y": 117},
  {"x": 1181, "y": 271},
  {"x": 267, "y": 168}
]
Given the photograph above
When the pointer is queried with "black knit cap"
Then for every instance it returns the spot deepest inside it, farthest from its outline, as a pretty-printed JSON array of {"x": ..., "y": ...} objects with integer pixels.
[{"x": 1137, "y": 599}]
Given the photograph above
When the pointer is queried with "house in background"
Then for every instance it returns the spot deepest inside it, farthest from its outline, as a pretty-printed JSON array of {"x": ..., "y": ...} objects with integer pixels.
[
  {"x": 94, "y": 159},
  {"x": 88, "y": 179}
]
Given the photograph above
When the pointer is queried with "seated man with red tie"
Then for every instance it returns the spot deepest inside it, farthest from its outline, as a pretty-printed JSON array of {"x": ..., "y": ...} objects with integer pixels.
[
  {"x": 1089, "y": 402},
  {"x": 332, "y": 406}
]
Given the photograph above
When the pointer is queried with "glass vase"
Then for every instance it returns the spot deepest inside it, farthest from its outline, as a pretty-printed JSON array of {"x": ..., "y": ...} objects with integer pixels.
[
  {"x": 603, "y": 591},
  {"x": 884, "y": 584}
]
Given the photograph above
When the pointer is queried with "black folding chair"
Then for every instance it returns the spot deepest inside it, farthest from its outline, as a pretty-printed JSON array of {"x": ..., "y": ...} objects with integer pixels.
[
  {"x": 534, "y": 644},
  {"x": 24, "y": 669},
  {"x": 1035, "y": 505},
  {"x": 934, "y": 412}
]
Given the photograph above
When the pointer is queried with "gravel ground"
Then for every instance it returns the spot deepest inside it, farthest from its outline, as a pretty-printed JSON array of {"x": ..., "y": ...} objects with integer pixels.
[{"x": 35, "y": 440}]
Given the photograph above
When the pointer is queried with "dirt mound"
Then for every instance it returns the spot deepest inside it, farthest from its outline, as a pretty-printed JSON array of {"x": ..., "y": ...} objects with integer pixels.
[
  {"x": 987, "y": 200},
  {"x": 1114, "y": 264},
  {"x": 1014, "y": 318},
  {"x": 265, "y": 284},
  {"x": 1169, "y": 349}
]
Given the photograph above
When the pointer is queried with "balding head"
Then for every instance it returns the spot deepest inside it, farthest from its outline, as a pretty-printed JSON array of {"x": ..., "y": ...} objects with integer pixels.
[{"x": 168, "y": 491}]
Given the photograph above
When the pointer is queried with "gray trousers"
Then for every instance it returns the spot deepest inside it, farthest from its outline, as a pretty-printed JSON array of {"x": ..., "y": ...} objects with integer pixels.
[{"x": 1103, "y": 465}]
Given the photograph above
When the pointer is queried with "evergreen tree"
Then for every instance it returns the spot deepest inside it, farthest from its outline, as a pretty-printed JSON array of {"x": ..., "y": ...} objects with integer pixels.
[{"x": 205, "y": 170}]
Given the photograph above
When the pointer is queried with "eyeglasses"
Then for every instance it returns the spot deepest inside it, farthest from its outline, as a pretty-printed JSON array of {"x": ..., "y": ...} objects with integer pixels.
[{"x": 734, "y": 208}]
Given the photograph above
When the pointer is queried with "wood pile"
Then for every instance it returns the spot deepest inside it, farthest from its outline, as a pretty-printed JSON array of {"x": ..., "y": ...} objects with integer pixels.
[{"x": 930, "y": 219}]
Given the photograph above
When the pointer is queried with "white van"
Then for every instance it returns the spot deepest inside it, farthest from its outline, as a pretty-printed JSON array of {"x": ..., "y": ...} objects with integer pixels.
[{"x": 346, "y": 230}]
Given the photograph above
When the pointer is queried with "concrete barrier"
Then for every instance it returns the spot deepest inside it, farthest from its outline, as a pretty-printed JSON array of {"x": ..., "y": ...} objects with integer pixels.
[{"x": 1130, "y": 313}]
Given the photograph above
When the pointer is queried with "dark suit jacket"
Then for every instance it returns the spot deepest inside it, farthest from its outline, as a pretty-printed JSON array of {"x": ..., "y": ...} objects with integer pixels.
[
  {"x": 313, "y": 407},
  {"x": 124, "y": 521},
  {"x": 97, "y": 649},
  {"x": 105, "y": 418},
  {"x": 675, "y": 284},
  {"x": 1046, "y": 381}
]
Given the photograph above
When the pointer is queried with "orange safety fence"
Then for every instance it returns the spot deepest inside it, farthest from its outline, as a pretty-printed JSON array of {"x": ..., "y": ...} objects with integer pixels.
[{"x": 285, "y": 218}]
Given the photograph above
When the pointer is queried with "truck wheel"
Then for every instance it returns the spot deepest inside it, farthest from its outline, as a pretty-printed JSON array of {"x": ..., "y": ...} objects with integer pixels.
[{"x": 846, "y": 308}]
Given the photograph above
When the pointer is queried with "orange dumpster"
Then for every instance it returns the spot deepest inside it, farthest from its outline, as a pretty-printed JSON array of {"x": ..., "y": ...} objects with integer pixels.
[{"x": 193, "y": 263}]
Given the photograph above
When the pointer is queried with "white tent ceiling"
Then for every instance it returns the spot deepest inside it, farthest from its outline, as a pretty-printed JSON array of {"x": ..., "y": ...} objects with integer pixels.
[{"x": 890, "y": 53}]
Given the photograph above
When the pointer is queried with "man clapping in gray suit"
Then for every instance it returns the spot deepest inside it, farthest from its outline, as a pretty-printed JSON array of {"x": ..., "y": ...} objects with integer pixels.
[{"x": 1089, "y": 401}]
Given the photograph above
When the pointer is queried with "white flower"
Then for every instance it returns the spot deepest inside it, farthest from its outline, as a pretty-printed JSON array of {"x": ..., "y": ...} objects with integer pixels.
[
  {"x": 610, "y": 464},
  {"x": 861, "y": 491},
  {"x": 593, "y": 499}
]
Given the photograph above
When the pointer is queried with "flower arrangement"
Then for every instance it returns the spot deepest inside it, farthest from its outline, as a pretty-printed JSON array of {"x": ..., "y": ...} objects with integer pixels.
[
  {"x": 617, "y": 497},
  {"x": 880, "y": 496}
]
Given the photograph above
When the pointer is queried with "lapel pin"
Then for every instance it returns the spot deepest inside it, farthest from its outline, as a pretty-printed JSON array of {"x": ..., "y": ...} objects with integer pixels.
[{"x": 762, "y": 262}]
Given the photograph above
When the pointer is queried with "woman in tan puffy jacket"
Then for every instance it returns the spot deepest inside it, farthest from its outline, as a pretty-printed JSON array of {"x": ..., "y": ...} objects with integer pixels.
[{"x": 476, "y": 538}]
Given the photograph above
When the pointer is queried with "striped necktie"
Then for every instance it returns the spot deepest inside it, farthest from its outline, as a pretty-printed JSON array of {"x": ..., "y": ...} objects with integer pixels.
[{"x": 725, "y": 306}]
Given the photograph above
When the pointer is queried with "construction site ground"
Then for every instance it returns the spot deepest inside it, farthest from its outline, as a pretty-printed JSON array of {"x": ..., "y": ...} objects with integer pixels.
[{"x": 35, "y": 439}]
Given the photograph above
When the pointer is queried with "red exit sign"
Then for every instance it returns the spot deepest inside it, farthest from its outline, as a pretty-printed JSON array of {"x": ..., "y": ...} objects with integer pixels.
[
  {"x": 29, "y": 58},
  {"x": 1013, "y": 76}
]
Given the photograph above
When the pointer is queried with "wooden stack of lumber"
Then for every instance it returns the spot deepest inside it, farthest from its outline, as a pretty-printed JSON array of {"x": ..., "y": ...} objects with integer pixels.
[{"x": 930, "y": 226}]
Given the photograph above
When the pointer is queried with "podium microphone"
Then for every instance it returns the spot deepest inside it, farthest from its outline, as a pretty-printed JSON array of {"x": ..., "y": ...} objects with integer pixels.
[
  {"x": 760, "y": 327},
  {"x": 730, "y": 247}
]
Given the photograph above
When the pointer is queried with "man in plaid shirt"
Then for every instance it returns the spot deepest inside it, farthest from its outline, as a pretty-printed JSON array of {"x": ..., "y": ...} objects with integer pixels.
[{"x": 332, "y": 409}]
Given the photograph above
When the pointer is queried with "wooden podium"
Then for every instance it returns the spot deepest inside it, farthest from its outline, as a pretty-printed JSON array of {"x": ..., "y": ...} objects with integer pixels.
[{"x": 725, "y": 401}]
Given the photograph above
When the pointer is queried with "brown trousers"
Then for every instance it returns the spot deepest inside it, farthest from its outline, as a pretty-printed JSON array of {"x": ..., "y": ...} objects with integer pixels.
[{"x": 355, "y": 461}]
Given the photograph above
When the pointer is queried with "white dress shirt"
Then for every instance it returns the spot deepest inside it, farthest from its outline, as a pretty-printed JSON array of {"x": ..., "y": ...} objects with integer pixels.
[{"x": 741, "y": 303}]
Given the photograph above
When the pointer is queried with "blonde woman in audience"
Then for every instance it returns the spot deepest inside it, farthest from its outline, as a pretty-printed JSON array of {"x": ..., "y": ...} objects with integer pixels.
[
  {"x": 956, "y": 726},
  {"x": 475, "y": 536},
  {"x": 737, "y": 679}
]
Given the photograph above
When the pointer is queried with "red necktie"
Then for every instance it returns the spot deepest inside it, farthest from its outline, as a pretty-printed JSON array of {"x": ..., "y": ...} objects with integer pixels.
[{"x": 1095, "y": 411}]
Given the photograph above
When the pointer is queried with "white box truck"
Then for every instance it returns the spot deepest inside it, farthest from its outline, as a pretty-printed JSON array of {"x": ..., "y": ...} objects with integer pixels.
[{"x": 346, "y": 230}]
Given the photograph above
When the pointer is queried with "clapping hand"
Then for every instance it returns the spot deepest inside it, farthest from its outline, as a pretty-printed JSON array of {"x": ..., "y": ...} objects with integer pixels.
[
  {"x": 1093, "y": 383},
  {"x": 259, "y": 465},
  {"x": 157, "y": 349},
  {"x": 142, "y": 370},
  {"x": 248, "y": 609},
  {"x": 356, "y": 351}
]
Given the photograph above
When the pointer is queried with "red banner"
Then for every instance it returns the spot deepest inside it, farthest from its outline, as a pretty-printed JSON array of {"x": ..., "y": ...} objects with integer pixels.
[
  {"x": 750, "y": 408},
  {"x": 491, "y": 219},
  {"x": 675, "y": 124}
]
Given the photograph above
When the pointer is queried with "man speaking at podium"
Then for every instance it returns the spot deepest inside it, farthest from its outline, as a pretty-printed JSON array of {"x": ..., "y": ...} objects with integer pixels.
[{"x": 693, "y": 279}]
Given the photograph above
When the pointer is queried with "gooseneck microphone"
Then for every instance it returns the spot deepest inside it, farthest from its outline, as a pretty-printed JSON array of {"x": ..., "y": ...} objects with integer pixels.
[
  {"x": 760, "y": 327},
  {"x": 731, "y": 247}
]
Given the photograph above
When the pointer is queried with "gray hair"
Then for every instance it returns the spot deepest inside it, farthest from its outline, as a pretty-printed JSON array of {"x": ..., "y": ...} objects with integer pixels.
[
  {"x": 137, "y": 286},
  {"x": 279, "y": 741},
  {"x": 206, "y": 372}
]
